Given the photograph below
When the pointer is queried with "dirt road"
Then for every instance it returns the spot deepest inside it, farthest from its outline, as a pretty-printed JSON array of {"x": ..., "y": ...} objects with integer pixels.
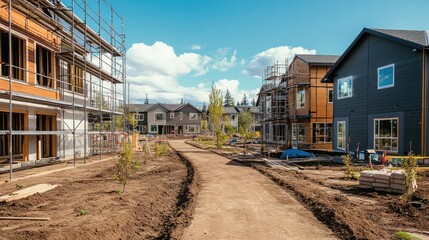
[{"x": 237, "y": 202}]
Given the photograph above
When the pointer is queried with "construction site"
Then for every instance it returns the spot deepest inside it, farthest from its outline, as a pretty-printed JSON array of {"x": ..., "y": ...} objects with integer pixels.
[
  {"x": 62, "y": 80},
  {"x": 296, "y": 107}
]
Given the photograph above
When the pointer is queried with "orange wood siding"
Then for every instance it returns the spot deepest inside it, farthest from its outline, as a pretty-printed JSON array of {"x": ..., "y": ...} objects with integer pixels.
[{"x": 27, "y": 28}]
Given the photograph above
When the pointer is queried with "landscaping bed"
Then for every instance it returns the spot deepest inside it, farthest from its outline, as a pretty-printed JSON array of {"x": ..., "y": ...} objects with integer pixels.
[{"x": 153, "y": 206}]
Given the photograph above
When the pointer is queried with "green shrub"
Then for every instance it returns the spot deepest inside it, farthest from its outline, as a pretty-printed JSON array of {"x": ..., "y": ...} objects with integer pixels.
[
  {"x": 161, "y": 149},
  {"x": 409, "y": 165},
  {"x": 82, "y": 212},
  {"x": 405, "y": 236}
]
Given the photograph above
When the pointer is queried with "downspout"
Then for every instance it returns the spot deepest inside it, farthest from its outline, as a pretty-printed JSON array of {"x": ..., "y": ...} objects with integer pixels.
[{"x": 423, "y": 128}]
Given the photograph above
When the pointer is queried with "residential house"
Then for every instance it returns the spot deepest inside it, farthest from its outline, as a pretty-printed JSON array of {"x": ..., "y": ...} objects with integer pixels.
[
  {"x": 309, "y": 101},
  {"x": 62, "y": 100},
  {"x": 163, "y": 119},
  {"x": 381, "y": 85},
  {"x": 230, "y": 115},
  {"x": 256, "y": 114}
]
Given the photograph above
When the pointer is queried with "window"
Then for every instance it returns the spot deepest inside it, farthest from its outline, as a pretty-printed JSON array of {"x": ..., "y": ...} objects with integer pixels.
[
  {"x": 330, "y": 95},
  {"x": 153, "y": 128},
  {"x": 298, "y": 133},
  {"x": 192, "y": 129},
  {"x": 386, "y": 134},
  {"x": 233, "y": 117},
  {"x": 18, "y": 56},
  {"x": 386, "y": 76},
  {"x": 193, "y": 116},
  {"x": 159, "y": 116},
  {"x": 139, "y": 117},
  {"x": 341, "y": 135},
  {"x": 75, "y": 84},
  {"x": 345, "y": 87},
  {"x": 44, "y": 66},
  {"x": 300, "y": 99},
  {"x": 322, "y": 132},
  {"x": 171, "y": 115}
]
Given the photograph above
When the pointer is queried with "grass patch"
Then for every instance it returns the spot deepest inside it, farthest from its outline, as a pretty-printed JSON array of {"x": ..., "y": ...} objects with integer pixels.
[{"x": 405, "y": 236}]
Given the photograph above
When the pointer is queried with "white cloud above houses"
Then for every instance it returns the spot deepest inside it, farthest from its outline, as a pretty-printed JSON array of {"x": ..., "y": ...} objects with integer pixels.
[
  {"x": 224, "y": 64},
  {"x": 255, "y": 67},
  {"x": 196, "y": 47}
]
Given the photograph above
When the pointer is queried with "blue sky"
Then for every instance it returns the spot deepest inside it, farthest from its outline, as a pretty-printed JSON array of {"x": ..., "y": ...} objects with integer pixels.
[{"x": 177, "y": 48}]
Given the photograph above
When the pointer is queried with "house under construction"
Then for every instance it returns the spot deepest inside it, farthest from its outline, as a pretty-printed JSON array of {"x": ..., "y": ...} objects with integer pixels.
[
  {"x": 296, "y": 106},
  {"x": 62, "y": 74},
  {"x": 272, "y": 99}
]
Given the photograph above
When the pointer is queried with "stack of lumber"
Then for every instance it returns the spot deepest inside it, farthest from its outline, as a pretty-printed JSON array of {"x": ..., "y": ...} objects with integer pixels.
[{"x": 384, "y": 181}]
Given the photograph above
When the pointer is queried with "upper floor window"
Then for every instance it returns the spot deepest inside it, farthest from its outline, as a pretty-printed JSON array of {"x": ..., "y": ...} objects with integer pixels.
[
  {"x": 386, "y": 76},
  {"x": 171, "y": 115},
  {"x": 300, "y": 99},
  {"x": 345, "y": 87},
  {"x": 44, "y": 66},
  {"x": 159, "y": 116},
  {"x": 18, "y": 56},
  {"x": 193, "y": 116},
  {"x": 139, "y": 117},
  {"x": 330, "y": 95},
  {"x": 75, "y": 79}
]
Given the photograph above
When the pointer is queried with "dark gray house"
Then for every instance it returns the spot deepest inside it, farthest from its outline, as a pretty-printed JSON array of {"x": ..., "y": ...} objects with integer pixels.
[
  {"x": 161, "y": 118},
  {"x": 381, "y": 92}
]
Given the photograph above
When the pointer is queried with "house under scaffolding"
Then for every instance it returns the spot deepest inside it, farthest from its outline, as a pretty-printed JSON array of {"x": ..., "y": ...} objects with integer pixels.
[
  {"x": 272, "y": 99},
  {"x": 62, "y": 79}
]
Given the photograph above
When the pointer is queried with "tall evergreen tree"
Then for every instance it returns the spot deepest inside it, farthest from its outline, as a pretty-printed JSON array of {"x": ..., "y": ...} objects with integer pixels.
[
  {"x": 204, "y": 109},
  {"x": 244, "y": 101},
  {"x": 253, "y": 102},
  {"x": 229, "y": 100}
]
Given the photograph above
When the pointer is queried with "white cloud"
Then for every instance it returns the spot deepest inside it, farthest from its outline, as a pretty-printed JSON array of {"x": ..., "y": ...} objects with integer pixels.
[
  {"x": 224, "y": 64},
  {"x": 196, "y": 47},
  {"x": 268, "y": 57},
  {"x": 233, "y": 87},
  {"x": 155, "y": 70}
]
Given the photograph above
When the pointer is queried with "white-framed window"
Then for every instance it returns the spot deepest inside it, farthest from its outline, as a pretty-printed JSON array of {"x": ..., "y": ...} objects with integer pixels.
[
  {"x": 300, "y": 99},
  {"x": 322, "y": 132},
  {"x": 153, "y": 128},
  {"x": 19, "y": 56},
  {"x": 386, "y": 134},
  {"x": 341, "y": 135},
  {"x": 193, "y": 116},
  {"x": 159, "y": 116},
  {"x": 171, "y": 115},
  {"x": 139, "y": 117},
  {"x": 386, "y": 76},
  {"x": 233, "y": 117},
  {"x": 330, "y": 95},
  {"x": 345, "y": 87}
]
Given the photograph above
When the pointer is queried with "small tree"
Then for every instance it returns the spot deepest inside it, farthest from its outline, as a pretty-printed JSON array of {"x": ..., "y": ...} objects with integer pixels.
[
  {"x": 409, "y": 165},
  {"x": 125, "y": 165},
  {"x": 216, "y": 112},
  {"x": 204, "y": 126},
  {"x": 245, "y": 119}
]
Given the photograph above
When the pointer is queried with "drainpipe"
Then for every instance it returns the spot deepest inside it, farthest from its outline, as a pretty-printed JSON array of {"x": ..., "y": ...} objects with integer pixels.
[{"x": 423, "y": 126}]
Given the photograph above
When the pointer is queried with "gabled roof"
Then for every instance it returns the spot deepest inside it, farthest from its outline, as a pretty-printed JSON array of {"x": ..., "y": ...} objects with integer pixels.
[
  {"x": 418, "y": 39},
  {"x": 312, "y": 59},
  {"x": 230, "y": 110},
  {"x": 252, "y": 109},
  {"x": 170, "y": 107}
]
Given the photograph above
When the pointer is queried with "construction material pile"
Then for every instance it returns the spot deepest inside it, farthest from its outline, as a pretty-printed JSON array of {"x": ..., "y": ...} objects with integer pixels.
[{"x": 384, "y": 181}]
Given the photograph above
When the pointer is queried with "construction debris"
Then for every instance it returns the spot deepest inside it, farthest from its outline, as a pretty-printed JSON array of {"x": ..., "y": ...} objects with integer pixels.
[
  {"x": 26, "y": 218},
  {"x": 23, "y": 193},
  {"x": 384, "y": 181}
]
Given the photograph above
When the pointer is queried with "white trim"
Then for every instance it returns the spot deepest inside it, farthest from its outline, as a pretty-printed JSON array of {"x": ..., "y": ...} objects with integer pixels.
[
  {"x": 351, "y": 86},
  {"x": 393, "y": 76},
  {"x": 171, "y": 115},
  {"x": 300, "y": 104},
  {"x": 344, "y": 134},
  {"x": 397, "y": 133},
  {"x": 154, "y": 116}
]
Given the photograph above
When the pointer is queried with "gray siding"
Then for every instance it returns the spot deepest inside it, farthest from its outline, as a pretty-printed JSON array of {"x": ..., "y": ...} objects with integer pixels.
[{"x": 404, "y": 99}]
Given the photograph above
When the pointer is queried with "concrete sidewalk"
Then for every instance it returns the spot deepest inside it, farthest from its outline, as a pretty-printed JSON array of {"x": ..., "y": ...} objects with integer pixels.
[{"x": 237, "y": 202}]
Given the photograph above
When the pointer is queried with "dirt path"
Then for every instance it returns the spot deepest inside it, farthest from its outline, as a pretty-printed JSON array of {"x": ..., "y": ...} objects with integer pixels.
[{"x": 237, "y": 202}]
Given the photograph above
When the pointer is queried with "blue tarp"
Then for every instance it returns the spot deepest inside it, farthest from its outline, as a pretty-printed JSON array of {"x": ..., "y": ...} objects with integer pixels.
[{"x": 295, "y": 153}]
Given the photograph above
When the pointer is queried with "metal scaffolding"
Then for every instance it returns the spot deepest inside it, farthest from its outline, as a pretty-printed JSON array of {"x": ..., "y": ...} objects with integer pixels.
[
  {"x": 274, "y": 104},
  {"x": 88, "y": 65}
]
